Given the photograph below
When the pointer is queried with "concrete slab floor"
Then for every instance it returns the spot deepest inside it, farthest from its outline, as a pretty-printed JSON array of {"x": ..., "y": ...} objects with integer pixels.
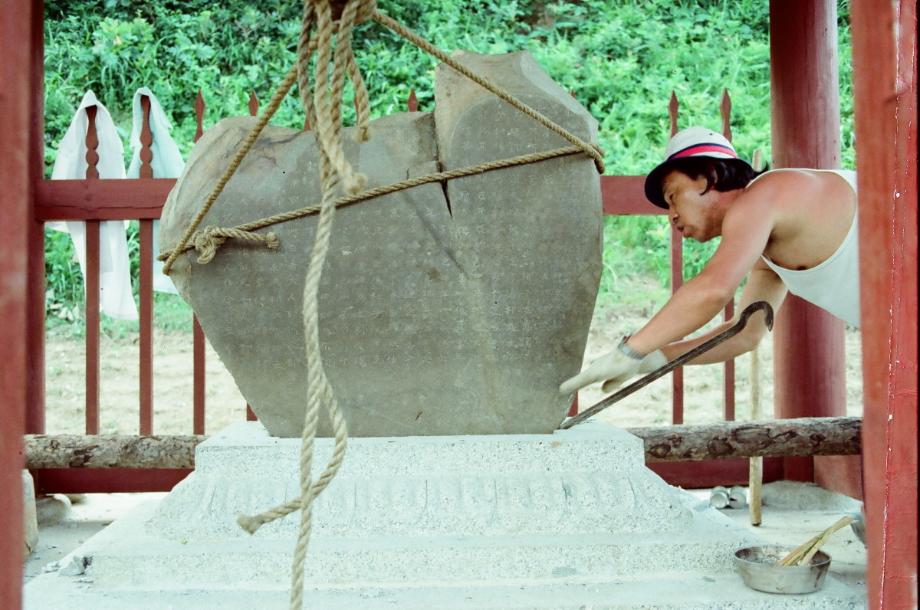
[
  {"x": 81, "y": 520},
  {"x": 792, "y": 513}
]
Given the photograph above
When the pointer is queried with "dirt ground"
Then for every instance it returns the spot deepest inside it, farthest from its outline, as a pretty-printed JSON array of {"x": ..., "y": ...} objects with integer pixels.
[{"x": 119, "y": 394}]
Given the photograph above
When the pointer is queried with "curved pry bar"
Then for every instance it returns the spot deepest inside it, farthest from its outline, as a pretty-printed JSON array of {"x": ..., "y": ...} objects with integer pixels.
[
  {"x": 670, "y": 366},
  {"x": 752, "y": 309}
]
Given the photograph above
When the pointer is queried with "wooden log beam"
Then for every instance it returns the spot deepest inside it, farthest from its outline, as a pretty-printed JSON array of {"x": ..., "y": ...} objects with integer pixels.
[
  {"x": 723, "y": 440},
  {"x": 110, "y": 451},
  {"x": 782, "y": 437}
]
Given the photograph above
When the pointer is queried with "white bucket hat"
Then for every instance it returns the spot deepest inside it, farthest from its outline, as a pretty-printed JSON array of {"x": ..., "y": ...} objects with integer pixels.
[{"x": 689, "y": 142}]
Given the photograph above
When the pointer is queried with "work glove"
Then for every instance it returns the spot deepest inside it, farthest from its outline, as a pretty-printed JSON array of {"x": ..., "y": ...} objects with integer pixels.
[
  {"x": 615, "y": 368},
  {"x": 652, "y": 362}
]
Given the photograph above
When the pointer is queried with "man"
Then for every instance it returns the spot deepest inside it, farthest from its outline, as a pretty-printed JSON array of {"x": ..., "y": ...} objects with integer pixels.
[{"x": 787, "y": 229}]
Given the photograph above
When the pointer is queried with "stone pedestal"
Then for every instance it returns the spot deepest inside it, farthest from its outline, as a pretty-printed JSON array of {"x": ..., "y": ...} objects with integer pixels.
[{"x": 560, "y": 520}]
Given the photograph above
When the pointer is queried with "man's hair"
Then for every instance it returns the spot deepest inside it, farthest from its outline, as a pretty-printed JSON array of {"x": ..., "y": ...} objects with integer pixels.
[{"x": 721, "y": 174}]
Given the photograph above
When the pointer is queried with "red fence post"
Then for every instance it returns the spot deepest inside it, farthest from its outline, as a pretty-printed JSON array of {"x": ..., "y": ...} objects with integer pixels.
[
  {"x": 677, "y": 280},
  {"x": 808, "y": 342},
  {"x": 728, "y": 390},
  {"x": 254, "y": 111},
  {"x": 145, "y": 424},
  {"x": 92, "y": 285},
  {"x": 885, "y": 82},
  {"x": 145, "y": 281},
  {"x": 198, "y": 370}
]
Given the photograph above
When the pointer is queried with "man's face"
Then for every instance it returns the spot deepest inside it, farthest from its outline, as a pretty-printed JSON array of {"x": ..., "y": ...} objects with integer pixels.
[{"x": 689, "y": 210}]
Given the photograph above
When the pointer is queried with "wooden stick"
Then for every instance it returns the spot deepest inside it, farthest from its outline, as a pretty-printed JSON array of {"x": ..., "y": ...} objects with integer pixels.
[
  {"x": 804, "y": 553},
  {"x": 755, "y": 466}
]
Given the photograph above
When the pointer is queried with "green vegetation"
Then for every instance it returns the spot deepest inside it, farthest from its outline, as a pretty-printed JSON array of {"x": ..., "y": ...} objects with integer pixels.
[{"x": 620, "y": 58}]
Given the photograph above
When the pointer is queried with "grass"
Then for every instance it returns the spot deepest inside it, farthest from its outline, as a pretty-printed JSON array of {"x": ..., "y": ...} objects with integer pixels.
[{"x": 170, "y": 313}]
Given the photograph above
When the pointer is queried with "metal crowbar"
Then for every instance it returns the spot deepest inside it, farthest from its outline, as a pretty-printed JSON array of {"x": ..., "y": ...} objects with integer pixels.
[{"x": 670, "y": 366}]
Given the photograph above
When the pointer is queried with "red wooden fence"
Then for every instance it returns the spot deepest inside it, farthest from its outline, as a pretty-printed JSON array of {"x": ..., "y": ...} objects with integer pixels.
[{"x": 94, "y": 200}]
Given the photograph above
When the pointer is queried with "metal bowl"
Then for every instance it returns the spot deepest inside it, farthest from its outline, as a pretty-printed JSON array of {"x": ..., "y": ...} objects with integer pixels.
[{"x": 760, "y": 570}]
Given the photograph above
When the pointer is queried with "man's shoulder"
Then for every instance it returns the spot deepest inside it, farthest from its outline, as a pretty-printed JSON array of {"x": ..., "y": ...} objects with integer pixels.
[
  {"x": 783, "y": 177},
  {"x": 794, "y": 179},
  {"x": 781, "y": 187}
]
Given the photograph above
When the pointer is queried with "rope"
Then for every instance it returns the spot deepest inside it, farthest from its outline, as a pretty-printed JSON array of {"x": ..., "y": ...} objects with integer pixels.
[
  {"x": 207, "y": 242},
  {"x": 335, "y": 170},
  {"x": 589, "y": 149},
  {"x": 384, "y": 190},
  {"x": 323, "y": 109},
  {"x": 362, "y": 99},
  {"x": 353, "y": 181},
  {"x": 282, "y": 91}
]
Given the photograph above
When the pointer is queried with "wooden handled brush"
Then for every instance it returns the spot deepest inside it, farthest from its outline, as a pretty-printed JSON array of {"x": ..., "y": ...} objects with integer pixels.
[{"x": 803, "y": 554}]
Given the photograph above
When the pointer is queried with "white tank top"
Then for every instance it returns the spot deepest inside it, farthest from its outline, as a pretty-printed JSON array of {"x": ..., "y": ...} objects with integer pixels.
[{"x": 832, "y": 285}]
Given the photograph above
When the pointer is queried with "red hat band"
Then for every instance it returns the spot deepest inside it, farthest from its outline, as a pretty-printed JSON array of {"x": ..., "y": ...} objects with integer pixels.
[{"x": 701, "y": 149}]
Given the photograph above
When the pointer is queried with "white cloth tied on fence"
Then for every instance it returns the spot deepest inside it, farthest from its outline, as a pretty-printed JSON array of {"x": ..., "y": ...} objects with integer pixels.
[
  {"x": 166, "y": 163},
  {"x": 115, "y": 297}
]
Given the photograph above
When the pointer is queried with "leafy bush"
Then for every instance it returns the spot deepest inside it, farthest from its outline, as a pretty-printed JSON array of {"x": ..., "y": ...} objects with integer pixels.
[{"x": 620, "y": 58}]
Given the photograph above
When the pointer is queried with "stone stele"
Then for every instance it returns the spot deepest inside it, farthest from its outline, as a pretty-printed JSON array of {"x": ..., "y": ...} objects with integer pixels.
[{"x": 445, "y": 309}]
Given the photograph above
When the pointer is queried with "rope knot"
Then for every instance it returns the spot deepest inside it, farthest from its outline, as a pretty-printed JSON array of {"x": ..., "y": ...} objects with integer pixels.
[
  {"x": 366, "y": 11},
  {"x": 207, "y": 242},
  {"x": 355, "y": 183},
  {"x": 250, "y": 524}
]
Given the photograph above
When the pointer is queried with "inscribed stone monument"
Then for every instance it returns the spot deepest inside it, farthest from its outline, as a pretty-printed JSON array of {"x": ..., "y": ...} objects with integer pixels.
[{"x": 445, "y": 309}]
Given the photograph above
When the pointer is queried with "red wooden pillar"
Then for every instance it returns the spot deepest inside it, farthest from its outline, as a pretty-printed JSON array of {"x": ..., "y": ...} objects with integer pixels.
[
  {"x": 808, "y": 342},
  {"x": 16, "y": 176},
  {"x": 35, "y": 377},
  {"x": 885, "y": 82}
]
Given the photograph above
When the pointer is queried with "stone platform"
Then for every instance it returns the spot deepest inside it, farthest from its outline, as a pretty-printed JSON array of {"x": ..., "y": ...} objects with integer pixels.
[{"x": 567, "y": 520}]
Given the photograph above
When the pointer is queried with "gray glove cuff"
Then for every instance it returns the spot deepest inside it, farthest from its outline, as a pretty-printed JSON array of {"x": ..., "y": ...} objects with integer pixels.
[{"x": 628, "y": 351}]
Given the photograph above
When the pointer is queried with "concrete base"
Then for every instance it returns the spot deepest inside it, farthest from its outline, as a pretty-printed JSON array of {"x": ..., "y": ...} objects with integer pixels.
[{"x": 567, "y": 520}]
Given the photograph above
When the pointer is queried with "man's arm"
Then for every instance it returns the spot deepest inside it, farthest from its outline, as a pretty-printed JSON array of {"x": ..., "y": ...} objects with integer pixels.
[
  {"x": 746, "y": 229},
  {"x": 763, "y": 285}
]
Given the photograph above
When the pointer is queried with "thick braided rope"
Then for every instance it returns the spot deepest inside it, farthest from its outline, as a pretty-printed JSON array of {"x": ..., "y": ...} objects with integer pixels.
[
  {"x": 362, "y": 99},
  {"x": 387, "y": 189},
  {"x": 251, "y": 137},
  {"x": 589, "y": 149},
  {"x": 318, "y": 389},
  {"x": 328, "y": 127},
  {"x": 319, "y": 392},
  {"x": 305, "y": 47}
]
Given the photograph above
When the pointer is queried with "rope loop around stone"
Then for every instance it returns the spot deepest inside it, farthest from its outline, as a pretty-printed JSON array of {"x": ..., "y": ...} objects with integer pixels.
[{"x": 209, "y": 240}]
